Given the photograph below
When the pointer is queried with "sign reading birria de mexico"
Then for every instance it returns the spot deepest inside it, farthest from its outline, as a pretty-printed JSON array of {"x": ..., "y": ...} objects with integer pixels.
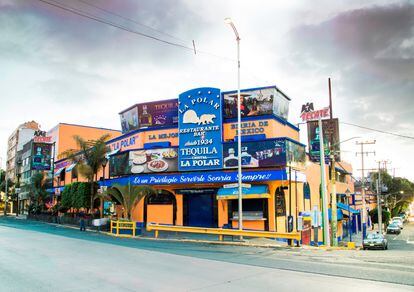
[{"x": 200, "y": 129}]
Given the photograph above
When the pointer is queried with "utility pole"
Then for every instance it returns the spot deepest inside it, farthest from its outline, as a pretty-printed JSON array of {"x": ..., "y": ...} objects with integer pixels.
[
  {"x": 334, "y": 217},
  {"x": 364, "y": 207},
  {"x": 325, "y": 219},
  {"x": 379, "y": 206}
]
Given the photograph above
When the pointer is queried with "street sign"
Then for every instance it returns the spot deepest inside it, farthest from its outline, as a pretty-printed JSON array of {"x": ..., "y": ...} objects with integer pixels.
[
  {"x": 300, "y": 223},
  {"x": 236, "y": 185}
]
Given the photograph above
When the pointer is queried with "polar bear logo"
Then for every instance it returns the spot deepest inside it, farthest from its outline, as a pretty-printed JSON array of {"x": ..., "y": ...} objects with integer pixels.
[
  {"x": 190, "y": 117},
  {"x": 206, "y": 119}
]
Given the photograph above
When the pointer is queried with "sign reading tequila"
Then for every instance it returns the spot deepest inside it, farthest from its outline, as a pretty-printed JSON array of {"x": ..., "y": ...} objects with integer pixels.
[{"x": 200, "y": 129}]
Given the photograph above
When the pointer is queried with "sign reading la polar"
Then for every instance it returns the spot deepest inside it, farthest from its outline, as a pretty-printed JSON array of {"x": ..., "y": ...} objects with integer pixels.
[{"x": 200, "y": 129}]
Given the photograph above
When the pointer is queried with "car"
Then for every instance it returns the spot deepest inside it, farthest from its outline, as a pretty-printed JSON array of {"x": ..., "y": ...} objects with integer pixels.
[
  {"x": 375, "y": 241},
  {"x": 399, "y": 221},
  {"x": 393, "y": 228}
]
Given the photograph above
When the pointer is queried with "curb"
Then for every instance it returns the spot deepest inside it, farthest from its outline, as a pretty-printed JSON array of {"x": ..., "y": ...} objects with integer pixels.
[{"x": 228, "y": 243}]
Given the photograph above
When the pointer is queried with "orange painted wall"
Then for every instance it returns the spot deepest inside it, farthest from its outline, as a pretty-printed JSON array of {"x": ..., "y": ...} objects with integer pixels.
[
  {"x": 67, "y": 131},
  {"x": 160, "y": 214}
]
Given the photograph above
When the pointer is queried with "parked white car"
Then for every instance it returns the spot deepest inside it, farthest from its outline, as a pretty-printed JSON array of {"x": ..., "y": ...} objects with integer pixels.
[{"x": 398, "y": 221}]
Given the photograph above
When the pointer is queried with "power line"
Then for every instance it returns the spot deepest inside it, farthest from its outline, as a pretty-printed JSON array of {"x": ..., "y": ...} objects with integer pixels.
[
  {"x": 380, "y": 131},
  {"x": 130, "y": 20},
  {"x": 107, "y": 22}
]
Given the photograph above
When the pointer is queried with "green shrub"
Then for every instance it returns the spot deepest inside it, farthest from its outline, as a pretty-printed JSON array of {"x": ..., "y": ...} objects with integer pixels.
[{"x": 66, "y": 201}]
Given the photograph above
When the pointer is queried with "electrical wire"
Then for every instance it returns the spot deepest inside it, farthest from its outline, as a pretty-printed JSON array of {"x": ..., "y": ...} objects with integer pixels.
[
  {"x": 107, "y": 22},
  {"x": 131, "y": 20},
  {"x": 376, "y": 130},
  {"x": 90, "y": 16}
]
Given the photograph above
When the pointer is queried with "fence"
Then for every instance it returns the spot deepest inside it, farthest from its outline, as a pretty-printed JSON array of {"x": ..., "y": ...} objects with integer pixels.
[
  {"x": 123, "y": 228},
  {"x": 221, "y": 232}
]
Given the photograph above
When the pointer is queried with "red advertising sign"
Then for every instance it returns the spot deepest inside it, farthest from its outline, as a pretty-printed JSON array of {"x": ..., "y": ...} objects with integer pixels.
[
  {"x": 41, "y": 139},
  {"x": 315, "y": 115}
]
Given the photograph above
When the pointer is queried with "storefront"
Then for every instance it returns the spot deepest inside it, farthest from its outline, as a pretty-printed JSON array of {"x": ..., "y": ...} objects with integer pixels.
[{"x": 186, "y": 149}]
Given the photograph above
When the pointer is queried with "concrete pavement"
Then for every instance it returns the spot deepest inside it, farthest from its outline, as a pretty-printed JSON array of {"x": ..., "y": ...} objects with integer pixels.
[
  {"x": 21, "y": 242},
  {"x": 43, "y": 261}
]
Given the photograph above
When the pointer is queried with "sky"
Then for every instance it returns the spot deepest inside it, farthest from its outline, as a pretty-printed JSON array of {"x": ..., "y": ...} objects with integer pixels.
[{"x": 57, "y": 66}]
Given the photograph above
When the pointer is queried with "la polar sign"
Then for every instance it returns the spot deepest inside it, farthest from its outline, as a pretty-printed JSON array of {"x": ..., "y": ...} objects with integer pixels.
[{"x": 200, "y": 129}]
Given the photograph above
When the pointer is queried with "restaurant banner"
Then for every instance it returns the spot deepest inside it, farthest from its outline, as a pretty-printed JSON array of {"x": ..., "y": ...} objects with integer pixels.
[
  {"x": 41, "y": 156},
  {"x": 159, "y": 113},
  {"x": 330, "y": 137},
  {"x": 256, "y": 102},
  {"x": 200, "y": 177},
  {"x": 256, "y": 153},
  {"x": 129, "y": 120},
  {"x": 144, "y": 161},
  {"x": 200, "y": 129}
]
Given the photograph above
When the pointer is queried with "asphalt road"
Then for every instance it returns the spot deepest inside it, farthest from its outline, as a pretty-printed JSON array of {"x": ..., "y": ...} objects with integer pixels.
[
  {"x": 404, "y": 241},
  {"x": 42, "y": 257}
]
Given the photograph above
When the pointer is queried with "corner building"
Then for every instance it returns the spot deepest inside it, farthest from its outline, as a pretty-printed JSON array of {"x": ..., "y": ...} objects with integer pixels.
[{"x": 186, "y": 149}]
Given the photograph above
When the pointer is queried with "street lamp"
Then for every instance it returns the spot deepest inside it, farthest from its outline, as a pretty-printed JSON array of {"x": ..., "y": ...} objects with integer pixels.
[
  {"x": 348, "y": 195},
  {"x": 239, "y": 144},
  {"x": 104, "y": 163}
]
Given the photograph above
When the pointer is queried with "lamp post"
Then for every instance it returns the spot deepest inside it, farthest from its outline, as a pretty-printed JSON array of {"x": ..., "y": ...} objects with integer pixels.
[
  {"x": 104, "y": 163},
  {"x": 239, "y": 144},
  {"x": 348, "y": 195}
]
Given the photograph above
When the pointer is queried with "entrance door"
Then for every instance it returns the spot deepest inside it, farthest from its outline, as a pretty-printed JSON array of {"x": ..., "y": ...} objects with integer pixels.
[{"x": 200, "y": 210}]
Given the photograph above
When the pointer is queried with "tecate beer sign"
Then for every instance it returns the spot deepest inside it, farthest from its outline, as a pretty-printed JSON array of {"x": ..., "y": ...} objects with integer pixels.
[
  {"x": 309, "y": 114},
  {"x": 200, "y": 129}
]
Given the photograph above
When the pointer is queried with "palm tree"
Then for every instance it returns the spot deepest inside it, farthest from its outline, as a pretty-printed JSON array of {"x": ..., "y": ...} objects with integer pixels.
[
  {"x": 37, "y": 189},
  {"x": 129, "y": 196},
  {"x": 89, "y": 158}
]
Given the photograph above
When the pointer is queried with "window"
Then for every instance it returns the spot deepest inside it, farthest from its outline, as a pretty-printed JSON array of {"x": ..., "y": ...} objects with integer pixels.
[
  {"x": 280, "y": 203},
  {"x": 161, "y": 198}
]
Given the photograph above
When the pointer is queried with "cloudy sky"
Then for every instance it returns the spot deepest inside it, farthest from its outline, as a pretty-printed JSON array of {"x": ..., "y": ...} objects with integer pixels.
[{"x": 56, "y": 66}]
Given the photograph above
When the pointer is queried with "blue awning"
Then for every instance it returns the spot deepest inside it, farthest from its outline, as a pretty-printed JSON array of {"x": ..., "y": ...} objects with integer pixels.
[
  {"x": 346, "y": 207},
  {"x": 258, "y": 191},
  {"x": 339, "y": 214},
  {"x": 110, "y": 153},
  {"x": 342, "y": 170},
  {"x": 58, "y": 171},
  {"x": 70, "y": 167}
]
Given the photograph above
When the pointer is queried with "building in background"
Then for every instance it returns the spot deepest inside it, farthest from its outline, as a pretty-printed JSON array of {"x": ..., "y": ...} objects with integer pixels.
[
  {"x": 20, "y": 136},
  {"x": 61, "y": 136}
]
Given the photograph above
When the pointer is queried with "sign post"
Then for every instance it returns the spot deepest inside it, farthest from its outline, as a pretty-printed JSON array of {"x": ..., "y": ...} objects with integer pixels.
[
  {"x": 323, "y": 189},
  {"x": 308, "y": 114}
]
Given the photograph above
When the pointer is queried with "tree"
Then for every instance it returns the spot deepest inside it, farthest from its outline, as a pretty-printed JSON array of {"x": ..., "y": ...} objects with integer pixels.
[
  {"x": 3, "y": 181},
  {"x": 37, "y": 190},
  {"x": 89, "y": 158},
  {"x": 129, "y": 195},
  {"x": 386, "y": 216},
  {"x": 399, "y": 192},
  {"x": 66, "y": 201}
]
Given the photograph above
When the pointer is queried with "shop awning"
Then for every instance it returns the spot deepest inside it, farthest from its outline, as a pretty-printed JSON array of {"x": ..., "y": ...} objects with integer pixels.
[
  {"x": 254, "y": 192},
  {"x": 339, "y": 214},
  {"x": 23, "y": 195},
  {"x": 58, "y": 171},
  {"x": 346, "y": 207},
  {"x": 342, "y": 170},
  {"x": 70, "y": 167},
  {"x": 110, "y": 153}
]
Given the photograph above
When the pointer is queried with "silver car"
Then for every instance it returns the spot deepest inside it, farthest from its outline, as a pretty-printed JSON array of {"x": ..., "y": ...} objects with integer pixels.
[
  {"x": 375, "y": 241},
  {"x": 393, "y": 228}
]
